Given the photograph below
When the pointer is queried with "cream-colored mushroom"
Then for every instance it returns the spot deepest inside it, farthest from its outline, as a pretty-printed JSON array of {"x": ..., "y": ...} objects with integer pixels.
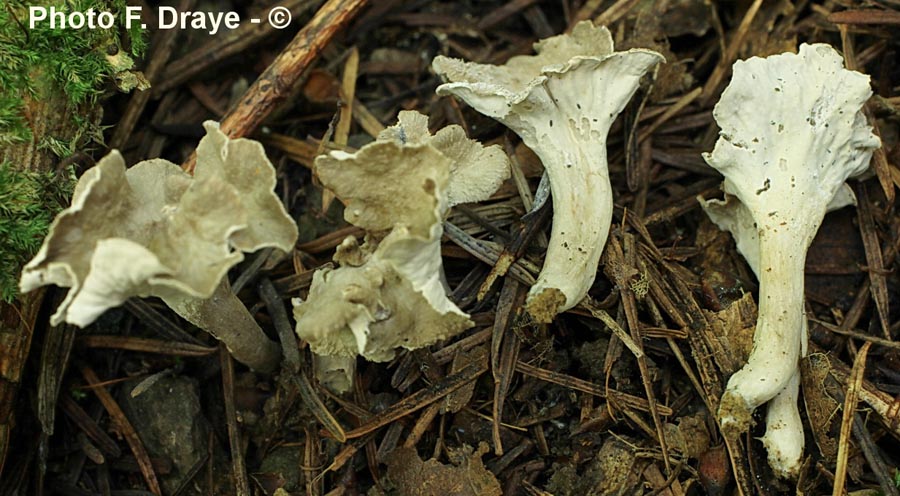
[
  {"x": 561, "y": 102},
  {"x": 153, "y": 230},
  {"x": 390, "y": 293},
  {"x": 792, "y": 133},
  {"x": 784, "y": 438}
]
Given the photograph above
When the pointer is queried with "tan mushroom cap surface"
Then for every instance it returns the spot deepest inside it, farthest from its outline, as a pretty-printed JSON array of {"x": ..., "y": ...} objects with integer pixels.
[
  {"x": 389, "y": 293},
  {"x": 154, "y": 230},
  {"x": 373, "y": 311},
  {"x": 243, "y": 165},
  {"x": 409, "y": 177},
  {"x": 387, "y": 183}
]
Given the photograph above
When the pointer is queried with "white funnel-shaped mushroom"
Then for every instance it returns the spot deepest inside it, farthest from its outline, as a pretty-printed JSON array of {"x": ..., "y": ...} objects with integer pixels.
[
  {"x": 561, "y": 102},
  {"x": 153, "y": 230},
  {"x": 792, "y": 133}
]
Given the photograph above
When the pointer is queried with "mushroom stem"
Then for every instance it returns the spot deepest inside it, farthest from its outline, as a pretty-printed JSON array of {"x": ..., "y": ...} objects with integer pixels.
[
  {"x": 777, "y": 341},
  {"x": 784, "y": 430},
  {"x": 580, "y": 227},
  {"x": 225, "y": 317},
  {"x": 784, "y": 437}
]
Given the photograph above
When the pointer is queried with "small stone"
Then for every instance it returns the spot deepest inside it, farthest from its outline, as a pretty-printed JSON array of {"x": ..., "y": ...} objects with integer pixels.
[{"x": 168, "y": 418}]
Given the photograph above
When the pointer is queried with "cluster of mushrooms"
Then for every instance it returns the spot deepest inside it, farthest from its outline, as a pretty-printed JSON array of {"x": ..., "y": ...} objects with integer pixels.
[{"x": 792, "y": 132}]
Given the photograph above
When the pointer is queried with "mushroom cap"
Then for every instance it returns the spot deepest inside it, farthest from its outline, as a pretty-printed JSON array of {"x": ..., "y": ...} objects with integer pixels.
[
  {"x": 373, "y": 310},
  {"x": 387, "y": 183},
  {"x": 409, "y": 177},
  {"x": 155, "y": 230},
  {"x": 531, "y": 90},
  {"x": 405, "y": 181},
  {"x": 792, "y": 131},
  {"x": 399, "y": 187},
  {"x": 476, "y": 171},
  {"x": 515, "y": 79},
  {"x": 242, "y": 163}
]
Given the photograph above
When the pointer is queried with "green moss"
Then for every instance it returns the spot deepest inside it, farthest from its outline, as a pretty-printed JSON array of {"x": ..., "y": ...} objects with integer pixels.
[
  {"x": 28, "y": 203},
  {"x": 13, "y": 127},
  {"x": 71, "y": 60},
  {"x": 48, "y": 64}
]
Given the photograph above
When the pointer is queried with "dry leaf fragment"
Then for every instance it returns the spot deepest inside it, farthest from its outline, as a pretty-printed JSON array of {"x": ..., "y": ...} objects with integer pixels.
[{"x": 468, "y": 477}]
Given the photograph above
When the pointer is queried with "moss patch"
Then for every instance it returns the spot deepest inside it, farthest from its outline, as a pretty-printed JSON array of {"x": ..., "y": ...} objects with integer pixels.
[
  {"x": 72, "y": 61},
  {"x": 67, "y": 69},
  {"x": 28, "y": 203}
]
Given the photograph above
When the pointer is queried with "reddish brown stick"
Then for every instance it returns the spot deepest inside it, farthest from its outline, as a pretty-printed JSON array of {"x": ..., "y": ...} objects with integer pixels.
[
  {"x": 219, "y": 49},
  {"x": 273, "y": 86},
  {"x": 241, "y": 481},
  {"x": 865, "y": 16}
]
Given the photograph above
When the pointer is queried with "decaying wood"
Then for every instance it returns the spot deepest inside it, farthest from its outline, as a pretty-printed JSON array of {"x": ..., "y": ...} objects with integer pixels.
[
  {"x": 49, "y": 116},
  {"x": 17, "y": 322}
]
